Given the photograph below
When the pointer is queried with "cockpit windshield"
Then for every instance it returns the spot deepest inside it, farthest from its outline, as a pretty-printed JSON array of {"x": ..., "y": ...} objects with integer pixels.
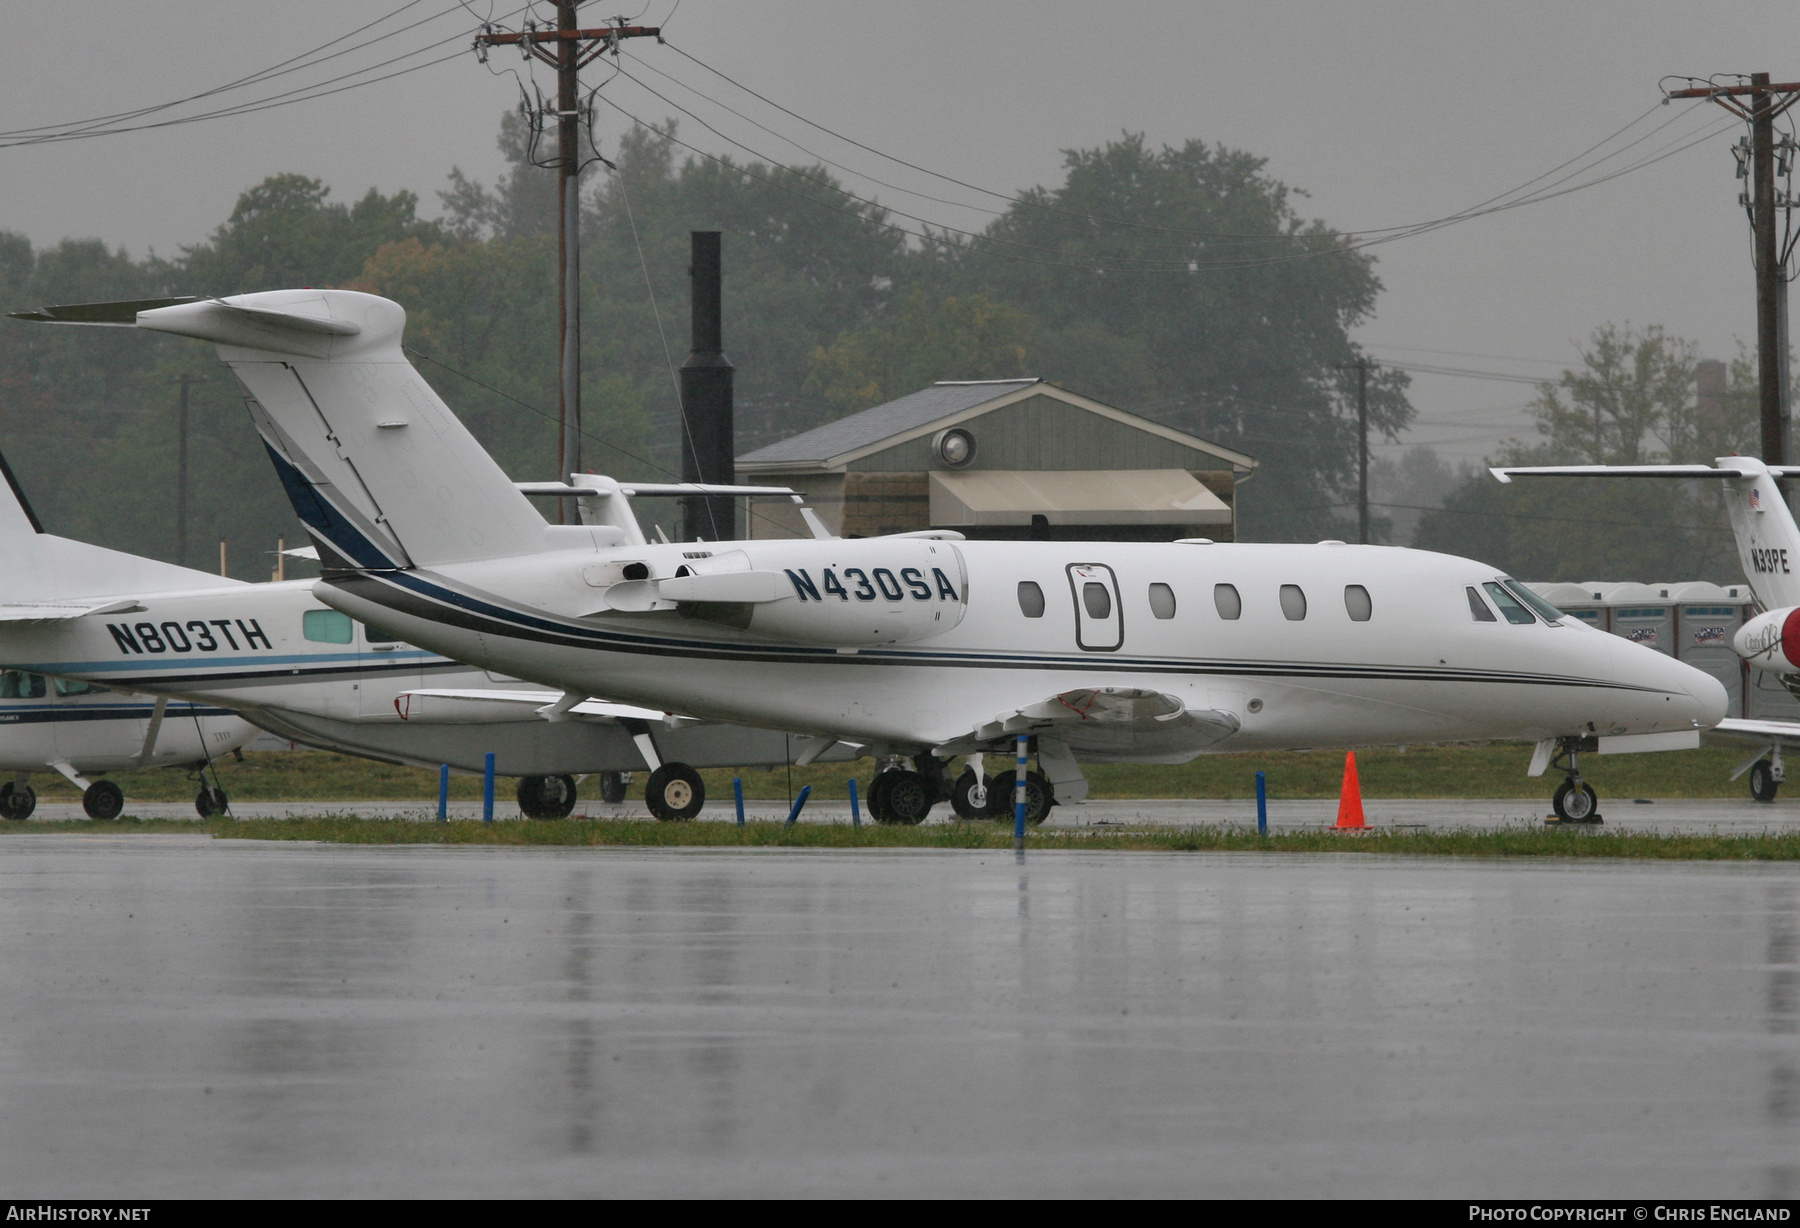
[
  {"x": 1508, "y": 605},
  {"x": 1545, "y": 610}
]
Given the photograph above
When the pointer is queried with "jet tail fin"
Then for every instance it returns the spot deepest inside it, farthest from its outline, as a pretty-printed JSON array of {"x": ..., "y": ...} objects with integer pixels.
[
  {"x": 50, "y": 577},
  {"x": 1768, "y": 541},
  {"x": 376, "y": 466}
]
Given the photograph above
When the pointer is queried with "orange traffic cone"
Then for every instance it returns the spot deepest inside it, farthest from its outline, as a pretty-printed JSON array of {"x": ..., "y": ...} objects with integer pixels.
[{"x": 1350, "y": 811}]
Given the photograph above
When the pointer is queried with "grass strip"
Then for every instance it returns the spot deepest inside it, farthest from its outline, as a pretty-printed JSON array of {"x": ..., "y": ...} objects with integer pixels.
[
  {"x": 1495, "y": 770},
  {"x": 1521, "y": 841}
]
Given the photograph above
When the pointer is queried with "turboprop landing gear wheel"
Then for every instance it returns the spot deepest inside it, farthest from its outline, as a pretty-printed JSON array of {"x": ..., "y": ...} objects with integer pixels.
[
  {"x": 17, "y": 801},
  {"x": 103, "y": 800},
  {"x": 612, "y": 787},
  {"x": 546, "y": 797},
  {"x": 962, "y": 796},
  {"x": 210, "y": 802},
  {"x": 1763, "y": 785},
  {"x": 1576, "y": 802},
  {"x": 674, "y": 792},
  {"x": 900, "y": 797}
]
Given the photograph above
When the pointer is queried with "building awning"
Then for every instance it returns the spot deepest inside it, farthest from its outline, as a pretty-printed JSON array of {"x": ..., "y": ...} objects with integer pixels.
[{"x": 1072, "y": 497}]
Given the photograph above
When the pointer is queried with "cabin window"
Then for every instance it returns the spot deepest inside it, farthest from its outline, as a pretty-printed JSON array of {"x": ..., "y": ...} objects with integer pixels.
[
  {"x": 1356, "y": 600},
  {"x": 1227, "y": 601},
  {"x": 377, "y": 637},
  {"x": 1097, "y": 599},
  {"x": 1478, "y": 607},
  {"x": 1031, "y": 599},
  {"x": 75, "y": 686},
  {"x": 1162, "y": 601},
  {"x": 1293, "y": 602},
  {"x": 326, "y": 626},
  {"x": 16, "y": 684},
  {"x": 1510, "y": 609}
]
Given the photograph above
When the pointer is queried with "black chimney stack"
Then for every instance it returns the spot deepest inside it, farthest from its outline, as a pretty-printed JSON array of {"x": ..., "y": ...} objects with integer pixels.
[{"x": 708, "y": 452}]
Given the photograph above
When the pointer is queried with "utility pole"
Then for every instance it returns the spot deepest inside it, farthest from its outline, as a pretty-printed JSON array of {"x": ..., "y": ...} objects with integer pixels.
[
  {"x": 567, "y": 48},
  {"x": 1362, "y": 367},
  {"x": 1766, "y": 102},
  {"x": 181, "y": 467}
]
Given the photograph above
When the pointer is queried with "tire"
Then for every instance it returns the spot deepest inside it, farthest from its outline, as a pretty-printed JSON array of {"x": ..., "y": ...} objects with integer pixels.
[
  {"x": 963, "y": 802},
  {"x": 674, "y": 793},
  {"x": 210, "y": 802},
  {"x": 875, "y": 798},
  {"x": 546, "y": 797},
  {"x": 1039, "y": 798},
  {"x": 1763, "y": 785},
  {"x": 17, "y": 801},
  {"x": 906, "y": 798},
  {"x": 103, "y": 800},
  {"x": 1576, "y": 804},
  {"x": 612, "y": 787}
]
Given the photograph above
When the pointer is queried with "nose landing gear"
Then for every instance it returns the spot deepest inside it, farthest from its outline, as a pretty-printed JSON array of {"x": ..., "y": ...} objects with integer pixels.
[{"x": 1575, "y": 800}]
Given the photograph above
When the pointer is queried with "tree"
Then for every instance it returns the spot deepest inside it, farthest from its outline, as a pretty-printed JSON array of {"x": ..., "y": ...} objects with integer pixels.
[
  {"x": 1232, "y": 311},
  {"x": 1630, "y": 401},
  {"x": 924, "y": 341},
  {"x": 1633, "y": 391},
  {"x": 284, "y": 233}
]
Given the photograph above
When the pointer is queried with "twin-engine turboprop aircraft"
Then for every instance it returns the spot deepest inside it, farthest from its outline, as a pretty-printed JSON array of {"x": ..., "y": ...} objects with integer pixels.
[
  {"x": 1768, "y": 544},
  {"x": 920, "y": 645}
]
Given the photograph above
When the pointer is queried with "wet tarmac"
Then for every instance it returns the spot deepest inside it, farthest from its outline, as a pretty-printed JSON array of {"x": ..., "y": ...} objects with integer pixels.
[{"x": 186, "y": 1017}]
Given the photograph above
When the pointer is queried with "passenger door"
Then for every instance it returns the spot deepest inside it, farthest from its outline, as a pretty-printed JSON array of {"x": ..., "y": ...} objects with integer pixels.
[{"x": 1099, "y": 622}]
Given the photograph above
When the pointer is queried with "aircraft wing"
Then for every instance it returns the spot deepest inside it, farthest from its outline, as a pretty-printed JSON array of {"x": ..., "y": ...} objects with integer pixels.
[
  {"x": 1099, "y": 724},
  {"x": 45, "y": 612},
  {"x": 485, "y": 707},
  {"x": 1758, "y": 731}
]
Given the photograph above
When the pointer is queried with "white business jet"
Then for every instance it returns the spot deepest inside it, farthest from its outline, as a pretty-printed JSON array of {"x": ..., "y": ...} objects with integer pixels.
[
  {"x": 144, "y": 660},
  {"x": 1768, "y": 544},
  {"x": 920, "y": 645}
]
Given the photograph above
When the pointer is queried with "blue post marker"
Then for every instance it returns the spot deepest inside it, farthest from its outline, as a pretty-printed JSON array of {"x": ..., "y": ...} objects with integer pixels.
[
  {"x": 487, "y": 790},
  {"x": 799, "y": 805},
  {"x": 1262, "y": 805},
  {"x": 855, "y": 805},
  {"x": 1019, "y": 798},
  {"x": 443, "y": 793},
  {"x": 737, "y": 791}
]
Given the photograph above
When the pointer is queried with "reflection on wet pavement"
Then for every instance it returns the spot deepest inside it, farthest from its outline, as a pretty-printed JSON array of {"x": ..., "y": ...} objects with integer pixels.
[{"x": 185, "y": 1017}]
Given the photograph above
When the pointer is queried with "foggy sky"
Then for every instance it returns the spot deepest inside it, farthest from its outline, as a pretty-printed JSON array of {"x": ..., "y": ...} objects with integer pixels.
[{"x": 1384, "y": 113}]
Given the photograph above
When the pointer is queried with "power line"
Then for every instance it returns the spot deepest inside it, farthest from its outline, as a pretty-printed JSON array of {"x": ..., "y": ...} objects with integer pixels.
[{"x": 304, "y": 93}]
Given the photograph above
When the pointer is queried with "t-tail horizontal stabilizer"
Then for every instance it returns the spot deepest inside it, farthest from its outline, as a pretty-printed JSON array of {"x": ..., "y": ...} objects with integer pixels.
[
  {"x": 375, "y": 464},
  {"x": 1768, "y": 542}
]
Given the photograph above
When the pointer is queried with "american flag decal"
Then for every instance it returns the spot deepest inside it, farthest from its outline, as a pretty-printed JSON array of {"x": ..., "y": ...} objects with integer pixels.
[{"x": 1755, "y": 499}]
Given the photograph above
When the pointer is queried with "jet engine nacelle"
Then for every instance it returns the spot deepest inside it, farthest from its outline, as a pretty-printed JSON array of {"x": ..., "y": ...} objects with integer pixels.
[
  {"x": 836, "y": 593},
  {"x": 1771, "y": 641}
]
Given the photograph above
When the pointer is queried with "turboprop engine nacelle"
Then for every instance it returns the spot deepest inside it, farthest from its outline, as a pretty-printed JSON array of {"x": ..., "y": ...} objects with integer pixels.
[
  {"x": 1771, "y": 641},
  {"x": 836, "y": 593}
]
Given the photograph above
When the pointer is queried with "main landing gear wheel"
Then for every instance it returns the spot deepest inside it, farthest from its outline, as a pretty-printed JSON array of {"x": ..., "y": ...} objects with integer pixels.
[
  {"x": 612, "y": 787},
  {"x": 962, "y": 796},
  {"x": 17, "y": 801},
  {"x": 103, "y": 800},
  {"x": 209, "y": 802},
  {"x": 1576, "y": 802},
  {"x": 1763, "y": 785},
  {"x": 546, "y": 797},
  {"x": 1039, "y": 797},
  {"x": 901, "y": 796},
  {"x": 674, "y": 793}
]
